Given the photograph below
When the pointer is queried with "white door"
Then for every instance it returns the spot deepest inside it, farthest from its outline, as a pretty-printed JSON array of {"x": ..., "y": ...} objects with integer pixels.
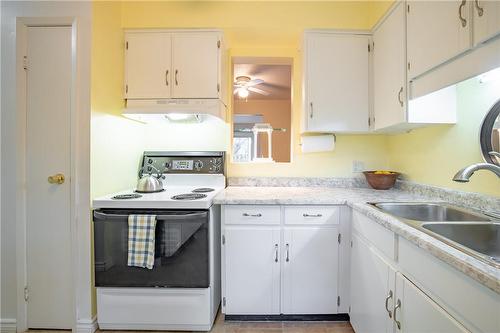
[
  {"x": 196, "y": 65},
  {"x": 48, "y": 238},
  {"x": 437, "y": 32},
  {"x": 252, "y": 268},
  {"x": 148, "y": 71},
  {"x": 389, "y": 64},
  {"x": 486, "y": 20},
  {"x": 310, "y": 265},
  {"x": 336, "y": 86},
  {"x": 372, "y": 284},
  {"x": 418, "y": 313}
]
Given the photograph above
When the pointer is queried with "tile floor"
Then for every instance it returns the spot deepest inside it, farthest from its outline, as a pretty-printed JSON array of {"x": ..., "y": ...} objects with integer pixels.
[{"x": 222, "y": 326}]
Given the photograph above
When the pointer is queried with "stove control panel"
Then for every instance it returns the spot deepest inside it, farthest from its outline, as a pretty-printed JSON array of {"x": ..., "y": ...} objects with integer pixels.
[{"x": 184, "y": 162}]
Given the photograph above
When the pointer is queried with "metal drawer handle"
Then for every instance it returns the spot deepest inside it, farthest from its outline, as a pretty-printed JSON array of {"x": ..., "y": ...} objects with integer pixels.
[
  {"x": 480, "y": 10},
  {"x": 312, "y": 215},
  {"x": 275, "y": 252},
  {"x": 389, "y": 296},
  {"x": 398, "y": 306},
  {"x": 287, "y": 252},
  {"x": 463, "y": 20},
  {"x": 400, "y": 97},
  {"x": 176, "y": 82},
  {"x": 166, "y": 77},
  {"x": 252, "y": 215}
]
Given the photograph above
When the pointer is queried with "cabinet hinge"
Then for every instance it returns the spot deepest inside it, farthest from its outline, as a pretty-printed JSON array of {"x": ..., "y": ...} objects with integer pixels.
[
  {"x": 349, "y": 309},
  {"x": 126, "y": 88},
  {"x": 223, "y": 301},
  {"x": 25, "y": 63},
  {"x": 223, "y": 239},
  {"x": 218, "y": 44},
  {"x": 408, "y": 8},
  {"x": 369, "y": 121},
  {"x": 373, "y": 46},
  {"x": 218, "y": 87},
  {"x": 26, "y": 294},
  {"x": 409, "y": 65},
  {"x": 126, "y": 45},
  {"x": 339, "y": 238},
  {"x": 369, "y": 48},
  {"x": 338, "y": 300}
]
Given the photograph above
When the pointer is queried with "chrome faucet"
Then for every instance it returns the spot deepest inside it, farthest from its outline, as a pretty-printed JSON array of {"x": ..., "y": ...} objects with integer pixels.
[{"x": 464, "y": 174}]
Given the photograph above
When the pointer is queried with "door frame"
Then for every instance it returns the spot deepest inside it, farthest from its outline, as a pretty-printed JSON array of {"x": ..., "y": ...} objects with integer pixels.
[{"x": 79, "y": 173}]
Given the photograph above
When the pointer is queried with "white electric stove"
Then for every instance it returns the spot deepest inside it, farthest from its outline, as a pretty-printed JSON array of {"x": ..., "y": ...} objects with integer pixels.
[{"x": 182, "y": 290}]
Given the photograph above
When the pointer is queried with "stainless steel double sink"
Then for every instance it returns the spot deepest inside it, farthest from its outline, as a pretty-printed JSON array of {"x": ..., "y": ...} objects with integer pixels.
[{"x": 473, "y": 233}]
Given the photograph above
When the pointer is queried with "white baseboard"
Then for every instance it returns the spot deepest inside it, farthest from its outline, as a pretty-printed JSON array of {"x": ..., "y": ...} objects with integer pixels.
[
  {"x": 8, "y": 325},
  {"x": 86, "y": 325}
]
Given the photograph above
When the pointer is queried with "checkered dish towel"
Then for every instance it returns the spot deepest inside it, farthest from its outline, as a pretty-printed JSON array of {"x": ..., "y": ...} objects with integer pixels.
[{"x": 141, "y": 240}]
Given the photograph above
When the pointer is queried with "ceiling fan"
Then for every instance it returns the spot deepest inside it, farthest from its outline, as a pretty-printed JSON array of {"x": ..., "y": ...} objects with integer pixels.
[{"x": 244, "y": 84}]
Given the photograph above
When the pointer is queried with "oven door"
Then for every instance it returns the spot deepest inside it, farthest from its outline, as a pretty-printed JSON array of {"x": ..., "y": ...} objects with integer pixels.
[{"x": 181, "y": 249}]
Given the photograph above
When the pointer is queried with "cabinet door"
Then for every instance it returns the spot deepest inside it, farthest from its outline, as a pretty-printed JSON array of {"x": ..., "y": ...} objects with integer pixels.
[
  {"x": 389, "y": 69},
  {"x": 310, "y": 276},
  {"x": 196, "y": 65},
  {"x": 372, "y": 284},
  {"x": 147, "y": 65},
  {"x": 252, "y": 270},
  {"x": 436, "y": 33},
  {"x": 336, "y": 82},
  {"x": 418, "y": 313},
  {"x": 486, "y": 20}
]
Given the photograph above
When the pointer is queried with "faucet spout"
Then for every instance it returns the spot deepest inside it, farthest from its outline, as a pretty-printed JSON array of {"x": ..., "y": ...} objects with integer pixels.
[{"x": 464, "y": 174}]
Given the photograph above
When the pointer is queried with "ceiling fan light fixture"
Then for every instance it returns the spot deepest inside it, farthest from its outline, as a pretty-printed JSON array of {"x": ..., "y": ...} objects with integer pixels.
[{"x": 243, "y": 92}]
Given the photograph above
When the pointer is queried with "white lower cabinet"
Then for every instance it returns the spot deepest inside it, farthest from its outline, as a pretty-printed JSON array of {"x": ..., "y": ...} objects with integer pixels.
[
  {"x": 310, "y": 272},
  {"x": 252, "y": 270},
  {"x": 289, "y": 268}
]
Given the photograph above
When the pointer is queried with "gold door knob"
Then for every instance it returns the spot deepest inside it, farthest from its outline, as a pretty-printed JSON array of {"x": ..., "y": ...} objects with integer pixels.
[{"x": 58, "y": 178}]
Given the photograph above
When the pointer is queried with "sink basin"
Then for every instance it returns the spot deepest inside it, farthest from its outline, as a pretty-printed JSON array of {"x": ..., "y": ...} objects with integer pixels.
[
  {"x": 480, "y": 237},
  {"x": 428, "y": 212}
]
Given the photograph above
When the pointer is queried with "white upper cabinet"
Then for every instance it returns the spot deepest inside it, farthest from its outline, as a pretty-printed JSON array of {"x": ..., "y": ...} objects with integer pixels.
[
  {"x": 389, "y": 73},
  {"x": 169, "y": 64},
  {"x": 196, "y": 65},
  {"x": 486, "y": 20},
  {"x": 147, "y": 65},
  {"x": 336, "y": 82},
  {"x": 437, "y": 31}
]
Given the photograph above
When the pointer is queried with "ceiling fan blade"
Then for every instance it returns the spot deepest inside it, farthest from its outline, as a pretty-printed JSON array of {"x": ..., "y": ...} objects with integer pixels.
[
  {"x": 258, "y": 91},
  {"x": 254, "y": 82}
]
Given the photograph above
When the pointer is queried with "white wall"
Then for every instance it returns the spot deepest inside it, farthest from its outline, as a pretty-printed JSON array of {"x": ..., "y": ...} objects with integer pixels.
[{"x": 11, "y": 10}]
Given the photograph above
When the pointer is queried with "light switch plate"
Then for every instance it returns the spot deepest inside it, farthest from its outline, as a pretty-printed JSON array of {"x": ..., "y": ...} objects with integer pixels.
[{"x": 358, "y": 166}]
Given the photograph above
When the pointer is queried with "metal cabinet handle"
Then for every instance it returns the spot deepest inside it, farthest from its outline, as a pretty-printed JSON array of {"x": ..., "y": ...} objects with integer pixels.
[
  {"x": 312, "y": 215},
  {"x": 287, "y": 252},
  {"x": 311, "y": 112},
  {"x": 176, "y": 82},
  {"x": 57, "y": 179},
  {"x": 480, "y": 10},
  {"x": 275, "y": 252},
  {"x": 252, "y": 215},
  {"x": 400, "y": 97},
  {"x": 398, "y": 306},
  {"x": 166, "y": 77},
  {"x": 462, "y": 19},
  {"x": 389, "y": 296}
]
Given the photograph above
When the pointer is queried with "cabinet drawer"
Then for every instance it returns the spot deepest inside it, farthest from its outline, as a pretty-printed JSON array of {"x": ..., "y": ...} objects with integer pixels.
[
  {"x": 312, "y": 215},
  {"x": 252, "y": 214},
  {"x": 382, "y": 238}
]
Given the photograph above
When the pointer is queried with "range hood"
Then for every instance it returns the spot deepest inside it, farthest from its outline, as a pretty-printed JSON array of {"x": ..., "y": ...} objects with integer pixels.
[{"x": 147, "y": 110}]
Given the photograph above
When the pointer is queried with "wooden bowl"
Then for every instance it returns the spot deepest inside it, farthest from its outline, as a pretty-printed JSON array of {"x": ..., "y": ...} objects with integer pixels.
[{"x": 381, "y": 181}]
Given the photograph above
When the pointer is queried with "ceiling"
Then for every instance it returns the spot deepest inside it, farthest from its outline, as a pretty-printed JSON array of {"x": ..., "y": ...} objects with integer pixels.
[{"x": 277, "y": 80}]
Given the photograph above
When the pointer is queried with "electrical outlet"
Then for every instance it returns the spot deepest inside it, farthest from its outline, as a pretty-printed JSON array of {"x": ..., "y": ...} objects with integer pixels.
[{"x": 358, "y": 166}]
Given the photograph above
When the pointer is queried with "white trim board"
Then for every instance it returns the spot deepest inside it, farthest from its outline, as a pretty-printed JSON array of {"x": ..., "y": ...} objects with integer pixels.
[{"x": 8, "y": 326}]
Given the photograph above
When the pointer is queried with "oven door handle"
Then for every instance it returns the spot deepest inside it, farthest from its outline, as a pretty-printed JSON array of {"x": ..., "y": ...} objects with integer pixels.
[{"x": 99, "y": 216}]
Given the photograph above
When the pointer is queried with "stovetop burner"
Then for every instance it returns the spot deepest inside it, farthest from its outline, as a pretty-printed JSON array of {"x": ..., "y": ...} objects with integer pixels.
[
  {"x": 189, "y": 196},
  {"x": 203, "y": 190},
  {"x": 126, "y": 196}
]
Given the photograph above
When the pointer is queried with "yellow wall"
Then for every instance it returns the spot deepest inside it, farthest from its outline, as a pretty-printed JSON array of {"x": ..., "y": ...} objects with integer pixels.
[{"x": 433, "y": 155}]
